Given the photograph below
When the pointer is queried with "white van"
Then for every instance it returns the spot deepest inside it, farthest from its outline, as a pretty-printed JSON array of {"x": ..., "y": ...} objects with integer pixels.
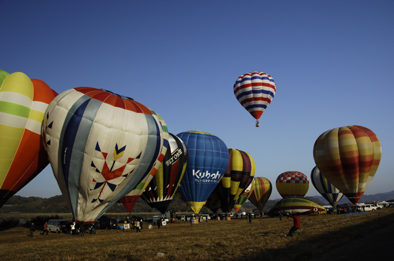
[{"x": 58, "y": 225}]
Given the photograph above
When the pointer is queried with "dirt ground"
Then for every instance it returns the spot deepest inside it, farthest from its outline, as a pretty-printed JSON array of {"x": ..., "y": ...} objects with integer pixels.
[{"x": 372, "y": 246}]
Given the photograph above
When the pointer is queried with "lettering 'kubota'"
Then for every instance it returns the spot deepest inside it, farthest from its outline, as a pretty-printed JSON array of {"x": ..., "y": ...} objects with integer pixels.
[
  {"x": 100, "y": 146},
  {"x": 208, "y": 159},
  {"x": 349, "y": 158},
  {"x": 22, "y": 105}
]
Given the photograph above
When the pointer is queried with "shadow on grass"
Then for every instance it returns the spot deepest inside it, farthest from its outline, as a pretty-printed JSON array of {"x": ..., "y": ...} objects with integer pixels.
[{"x": 315, "y": 248}]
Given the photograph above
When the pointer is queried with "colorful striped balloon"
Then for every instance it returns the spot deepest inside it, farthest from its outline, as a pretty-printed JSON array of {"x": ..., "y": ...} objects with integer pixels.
[
  {"x": 101, "y": 146},
  {"x": 237, "y": 177},
  {"x": 296, "y": 205},
  {"x": 22, "y": 105},
  {"x": 325, "y": 188},
  {"x": 292, "y": 184},
  {"x": 164, "y": 185},
  {"x": 243, "y": 197},
  {"x": 349, "y": 158},
  {"x": 255, "y": 91},
  {"x": 261, "y": 191}
]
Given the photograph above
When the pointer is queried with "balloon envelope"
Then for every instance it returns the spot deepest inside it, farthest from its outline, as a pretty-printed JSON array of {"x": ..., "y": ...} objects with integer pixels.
[
  {"x": 237, "y": 177},
  {"x": 132, "y": 197},
  {"x": 208, "y": 159},
  {"x": 243, "y": 197},
  {"x": 255, "y": 91},
  {"x": 296, "y": 205},
  {"x": 162, "y": 188},
  {"x": 22, "y": 105},
  {"x": 261, "y": 191},
  {"x": 325, "y": 188},
  {"x": 100, "y": 146},
  {"x": 348, "y": 157},
  {"x": 292, "y": 184}
]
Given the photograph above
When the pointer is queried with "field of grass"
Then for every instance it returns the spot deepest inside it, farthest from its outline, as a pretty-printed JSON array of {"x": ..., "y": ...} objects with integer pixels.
[{"x": 263, "y": 239}]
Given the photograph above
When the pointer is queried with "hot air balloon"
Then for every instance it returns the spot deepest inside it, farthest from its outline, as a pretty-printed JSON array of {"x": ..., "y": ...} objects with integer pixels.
[
  {"x": 325, "y": 188},
  {"x": 255, "y": 92},
  {"x": 348, "y": 157},
  {"x": 101, "y": 146},
  {"x": 213, "y": 202},
  {"x": 165, "y": 183},
  {"x": 208, "y": 159},
  {"x": 292, "y": 184},
  {"x": 238, "y": 176},
  {"x": 261, "y": 192},
  {"x": 296, "y": 205},
  {"x": 243, "y": 197},
  {"x": 132, "y": 197},
  {"x": 22, "y": 105}
]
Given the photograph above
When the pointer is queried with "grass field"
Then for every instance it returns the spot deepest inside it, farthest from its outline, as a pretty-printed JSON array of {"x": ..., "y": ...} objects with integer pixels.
[{"x": 263, "y": 239}]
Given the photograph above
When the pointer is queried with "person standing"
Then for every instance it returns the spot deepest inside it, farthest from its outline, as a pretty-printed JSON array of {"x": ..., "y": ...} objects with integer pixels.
[
  {"x": 45, "y": 228},
  {"x": 32, "y": 229},
  {"x": 72, "y": 228},
  {"x": 159, "y": 223},
  {"x": 137, "y": 226},
  {"x": 296, "y": 225}
]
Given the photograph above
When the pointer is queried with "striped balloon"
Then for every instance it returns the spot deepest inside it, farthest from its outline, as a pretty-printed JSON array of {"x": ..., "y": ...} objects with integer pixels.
[
  {"x": 291, "y": 184},
  {"x": 237, "y": 177},
  {"x": 261, "y": 191},
  {"x": 349, "y": 158},
  {"x": 255, "y": 92},
  {"x": 325, "y": 188},
  {"x": 162, "y": 188},
  {"x": 101, "y": 146},
  {"x": 293, "y": 206},
  {"x": 243, "y": 197},
  {"x": 22, "y": 105}
]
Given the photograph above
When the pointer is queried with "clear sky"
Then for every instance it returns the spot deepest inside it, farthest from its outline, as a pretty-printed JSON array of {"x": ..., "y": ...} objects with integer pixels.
[{"x": 332, "y": 62}]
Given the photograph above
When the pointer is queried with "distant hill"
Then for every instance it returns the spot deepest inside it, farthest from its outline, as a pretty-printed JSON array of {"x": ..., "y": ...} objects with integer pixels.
[{"x": 57, "y": 204}]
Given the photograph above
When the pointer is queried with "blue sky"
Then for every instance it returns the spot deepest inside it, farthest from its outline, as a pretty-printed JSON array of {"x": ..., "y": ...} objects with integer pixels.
[{"x": 332, "y": 62}]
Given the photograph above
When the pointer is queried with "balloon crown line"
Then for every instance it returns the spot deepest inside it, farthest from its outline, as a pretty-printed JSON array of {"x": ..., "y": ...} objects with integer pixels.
[{"x": 121, "y": 96}]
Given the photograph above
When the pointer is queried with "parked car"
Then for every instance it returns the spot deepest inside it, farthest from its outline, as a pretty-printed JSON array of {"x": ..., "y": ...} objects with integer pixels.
[{"x": 58, "y": 225}]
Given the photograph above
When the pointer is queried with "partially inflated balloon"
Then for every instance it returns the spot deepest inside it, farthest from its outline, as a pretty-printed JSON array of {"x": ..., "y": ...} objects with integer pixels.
[
  {"x": 262, "y": 189},
  {"x": 325, "y": 188},
  {"x": 165, "y": 183},
  {"x": 100, "y": 146},
  {"x": 238, "y": 176},
  {"x": 349, "y": 158},
  {"x": 255, "y": 91},
  {"x": 292, "y": 184},
  {"x": 297, "y": 206},
  {"x": 22, "y": 156},
  {"x": 243, "y": 197},
  {"x": 208, "y": 159}
]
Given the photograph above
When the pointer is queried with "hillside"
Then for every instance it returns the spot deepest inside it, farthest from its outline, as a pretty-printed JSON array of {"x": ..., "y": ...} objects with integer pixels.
[{"x": 57, "y": 204}]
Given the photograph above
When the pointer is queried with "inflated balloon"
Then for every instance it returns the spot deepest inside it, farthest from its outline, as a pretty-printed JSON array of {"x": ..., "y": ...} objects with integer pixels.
[
  {"x": 255, "y": 92},
  {"x": 348, "y": 157},
  {"x": 238, "y": 176},
  {"x": 261, "y": 191},
  {"x": 162, "y": 188},
  {"x": 293, "y": 206},
  {"x": 100, "y": 146},
  {"x": 213, "y": 202},
  {"x": 22, "y": 106},
  {"x": 3, "y": 75},
  {"x": 292, "y": 184},
  {"x": 131, "y": 198},
  {"x": 325, "y": 188},
  {"x": 208, "y": 159},
  {"x": 243, "y": 197}
]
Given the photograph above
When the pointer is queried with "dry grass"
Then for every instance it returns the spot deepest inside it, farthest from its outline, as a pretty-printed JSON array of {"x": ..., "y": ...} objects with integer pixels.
[{"x": 214, "y": 240}]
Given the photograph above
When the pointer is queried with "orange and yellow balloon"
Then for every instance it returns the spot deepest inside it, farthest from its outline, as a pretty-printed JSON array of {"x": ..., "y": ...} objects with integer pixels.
[
  {"x": 349, "y": 158},
  {"x": 22, "y": 105},
  {"x": 261, "y": 191}
]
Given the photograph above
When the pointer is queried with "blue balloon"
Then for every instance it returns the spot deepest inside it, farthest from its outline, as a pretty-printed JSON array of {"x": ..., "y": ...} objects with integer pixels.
[{"x": 208, "y": 160}]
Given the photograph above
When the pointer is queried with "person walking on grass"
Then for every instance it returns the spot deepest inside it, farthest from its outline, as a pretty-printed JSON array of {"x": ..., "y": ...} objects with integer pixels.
[
  {"x": 45, "y": 229},
  {"x": 32, "y": 229},
  {"x": 296, "y": 225}
]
